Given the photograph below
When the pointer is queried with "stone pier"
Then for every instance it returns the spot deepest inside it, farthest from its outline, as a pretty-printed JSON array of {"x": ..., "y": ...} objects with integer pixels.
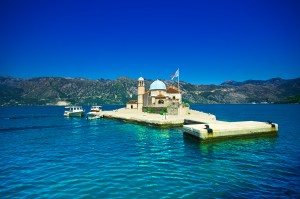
[{"x": 223, "y": 130}]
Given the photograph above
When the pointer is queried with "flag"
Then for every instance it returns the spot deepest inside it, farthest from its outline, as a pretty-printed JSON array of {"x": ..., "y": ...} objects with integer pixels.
[{"x": 176, "y": 74}]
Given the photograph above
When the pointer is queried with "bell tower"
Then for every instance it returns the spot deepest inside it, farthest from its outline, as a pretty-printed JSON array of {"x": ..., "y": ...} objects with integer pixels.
[{"x": 141, "y": 91}]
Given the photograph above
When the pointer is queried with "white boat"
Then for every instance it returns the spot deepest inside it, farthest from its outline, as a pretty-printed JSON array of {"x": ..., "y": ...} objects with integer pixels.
[
  {"x": 74, "y": 111},
  {"x": 95, "y": 113}
]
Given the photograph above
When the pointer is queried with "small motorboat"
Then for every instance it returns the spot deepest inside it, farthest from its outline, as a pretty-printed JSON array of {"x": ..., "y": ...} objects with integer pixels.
[
  {"x": 95, "y": 113},
  {"x": 74, "y": 111}
]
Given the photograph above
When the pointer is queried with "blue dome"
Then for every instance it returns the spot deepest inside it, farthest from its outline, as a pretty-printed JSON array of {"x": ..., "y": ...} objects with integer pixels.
[
  {"x": 141, "y": 79},
  {"x": 158, "y": 85}
]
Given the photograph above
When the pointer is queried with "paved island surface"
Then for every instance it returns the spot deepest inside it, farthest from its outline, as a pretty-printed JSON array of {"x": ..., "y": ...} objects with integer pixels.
[{"x": 138, "y": 116}]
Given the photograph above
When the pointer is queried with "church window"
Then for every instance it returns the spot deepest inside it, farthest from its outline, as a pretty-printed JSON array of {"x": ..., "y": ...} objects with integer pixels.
[{"x": 161, "y": 102}]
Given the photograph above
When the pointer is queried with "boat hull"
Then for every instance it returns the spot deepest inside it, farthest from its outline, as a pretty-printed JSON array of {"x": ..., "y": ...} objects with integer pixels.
[
  {"x": 94, "y": 115},
  {"x": 74, "y": 114}
]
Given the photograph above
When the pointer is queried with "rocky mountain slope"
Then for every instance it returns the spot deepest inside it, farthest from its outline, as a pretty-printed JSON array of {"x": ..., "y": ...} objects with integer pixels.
[{"x": 53, "y": 90}]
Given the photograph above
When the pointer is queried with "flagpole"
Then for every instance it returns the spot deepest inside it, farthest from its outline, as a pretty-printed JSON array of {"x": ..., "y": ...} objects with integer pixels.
[{"x": 178, "y": 81}]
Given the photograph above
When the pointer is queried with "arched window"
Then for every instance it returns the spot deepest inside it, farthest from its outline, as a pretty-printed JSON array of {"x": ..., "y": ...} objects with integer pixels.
[
  {"x": 161, "y": 102},
  {"x": 173, "y": 97},
  {"x": 131, "y": 106}
]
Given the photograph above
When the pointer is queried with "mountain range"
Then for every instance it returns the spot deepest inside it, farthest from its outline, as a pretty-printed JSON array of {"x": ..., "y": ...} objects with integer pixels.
[{"x": 60, "y": 90}]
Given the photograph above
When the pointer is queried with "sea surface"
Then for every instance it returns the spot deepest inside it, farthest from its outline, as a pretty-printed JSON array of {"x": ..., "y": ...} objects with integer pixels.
[{"x": 45, "y": 155}]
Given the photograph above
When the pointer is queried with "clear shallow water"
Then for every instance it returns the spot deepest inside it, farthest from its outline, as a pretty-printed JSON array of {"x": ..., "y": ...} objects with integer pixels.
[{"x": 44, "y": 155}]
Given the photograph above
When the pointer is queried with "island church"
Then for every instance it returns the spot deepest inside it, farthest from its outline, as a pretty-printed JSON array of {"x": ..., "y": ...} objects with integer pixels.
[{"x": 157, "y": 98}]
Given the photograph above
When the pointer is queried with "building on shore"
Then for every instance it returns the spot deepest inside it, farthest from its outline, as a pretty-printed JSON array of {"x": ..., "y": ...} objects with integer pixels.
[
  {"x": 158, "y": 99},
  {"x": 132, "y": 104}
]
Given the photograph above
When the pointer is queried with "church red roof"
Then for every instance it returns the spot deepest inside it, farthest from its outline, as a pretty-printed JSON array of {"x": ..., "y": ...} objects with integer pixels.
[
  {"x": 132, "y": 102},
  {"x": 160, "y": 96},
  {"x": 172, "y": 89}
]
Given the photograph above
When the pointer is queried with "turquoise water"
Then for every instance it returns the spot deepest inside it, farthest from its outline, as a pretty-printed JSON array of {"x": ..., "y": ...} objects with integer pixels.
[{"x": 44, "y": 155}]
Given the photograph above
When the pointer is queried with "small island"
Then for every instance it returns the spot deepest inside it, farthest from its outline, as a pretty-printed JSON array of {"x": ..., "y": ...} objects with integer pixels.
[{"x": 163, "y": 107}]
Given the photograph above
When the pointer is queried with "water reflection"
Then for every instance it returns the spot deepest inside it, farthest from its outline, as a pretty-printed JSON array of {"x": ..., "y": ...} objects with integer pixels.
[{"x": 212, "y": 146}]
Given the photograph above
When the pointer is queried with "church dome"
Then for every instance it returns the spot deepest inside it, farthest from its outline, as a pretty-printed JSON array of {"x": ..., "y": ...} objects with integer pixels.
[
  {"x": 141, "y": 79},
  {"x": 157, "y": 85}
]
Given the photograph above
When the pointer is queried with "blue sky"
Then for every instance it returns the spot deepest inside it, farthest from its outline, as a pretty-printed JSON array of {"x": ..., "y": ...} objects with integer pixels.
[{"x": 212, "y": 41}]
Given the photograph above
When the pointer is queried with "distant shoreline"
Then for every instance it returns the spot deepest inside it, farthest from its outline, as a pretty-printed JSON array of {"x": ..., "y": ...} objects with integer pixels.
[
  {"x": 66, "y": 91},
  {"x": 120, "y": 105}
]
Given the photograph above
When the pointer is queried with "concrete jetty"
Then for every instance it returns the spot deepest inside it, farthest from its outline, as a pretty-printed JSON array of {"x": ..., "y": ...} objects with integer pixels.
[{"x": 222, "y": 130}]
